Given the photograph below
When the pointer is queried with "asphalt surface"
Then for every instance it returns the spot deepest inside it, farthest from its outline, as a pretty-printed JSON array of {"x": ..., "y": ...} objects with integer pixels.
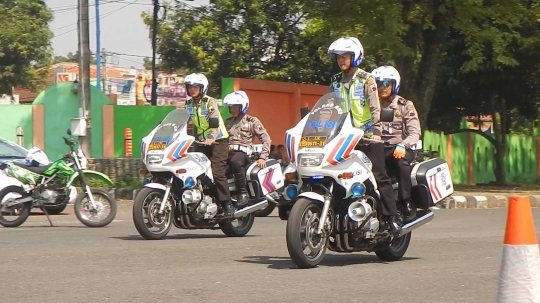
[{"x": 455, "y": 258}]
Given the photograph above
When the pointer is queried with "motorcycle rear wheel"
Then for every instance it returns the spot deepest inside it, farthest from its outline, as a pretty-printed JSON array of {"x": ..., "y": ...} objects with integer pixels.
[
  {"x": 22, "y": 209},
  {"x": 242, "y": 229},
  {"x": 300, "y": 234},
  {"x": 146, "y": 217}
]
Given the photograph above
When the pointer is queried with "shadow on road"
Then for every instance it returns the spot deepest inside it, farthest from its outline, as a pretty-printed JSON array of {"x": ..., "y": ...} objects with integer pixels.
[
  {"x": 179, "y": 237},
  {"x": 329, "y": 260}
]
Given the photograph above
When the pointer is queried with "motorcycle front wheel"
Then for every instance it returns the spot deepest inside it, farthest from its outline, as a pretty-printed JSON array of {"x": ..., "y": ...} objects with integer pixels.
[
  {"x": 20, "y": 212},
  {"x": 306, "y": 248},
  {"x": 102, "y": 215},
  {"x": 150, "y": 224}
]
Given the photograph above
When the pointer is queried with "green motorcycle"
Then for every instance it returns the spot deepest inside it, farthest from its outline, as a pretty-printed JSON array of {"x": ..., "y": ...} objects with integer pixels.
[{"x": 48, "y": 187}]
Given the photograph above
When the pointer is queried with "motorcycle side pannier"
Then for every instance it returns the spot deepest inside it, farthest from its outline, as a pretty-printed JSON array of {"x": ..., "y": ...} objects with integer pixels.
[
  {"x": 431, "y": 182},
  {"x": 269, "y": 178}
]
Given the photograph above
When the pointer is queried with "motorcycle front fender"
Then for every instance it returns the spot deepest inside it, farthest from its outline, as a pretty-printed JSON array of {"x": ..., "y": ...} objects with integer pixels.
[
  {"x": 312, "y": 196},
  {"x": 91, "y": 174},
  {"x": 155, "y": 186}
]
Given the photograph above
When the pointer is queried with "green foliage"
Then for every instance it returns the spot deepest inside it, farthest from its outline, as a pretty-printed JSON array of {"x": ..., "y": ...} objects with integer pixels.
[
  {"x": 25, "y": 38},
  {"x": 456, "y": 50}
]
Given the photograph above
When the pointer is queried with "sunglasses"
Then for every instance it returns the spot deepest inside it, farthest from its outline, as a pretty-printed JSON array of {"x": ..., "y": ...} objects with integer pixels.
[{"x": 384, "y": 84}]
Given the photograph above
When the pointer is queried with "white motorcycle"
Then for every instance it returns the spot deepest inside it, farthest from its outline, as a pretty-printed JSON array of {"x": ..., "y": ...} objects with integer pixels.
[
  {"x": 182, "y": 190},
  {"x": 336, "y": 203}
]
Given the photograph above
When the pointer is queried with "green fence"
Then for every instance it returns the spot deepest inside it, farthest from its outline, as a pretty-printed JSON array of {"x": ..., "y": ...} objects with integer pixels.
[{"x": 519, "y": 163}]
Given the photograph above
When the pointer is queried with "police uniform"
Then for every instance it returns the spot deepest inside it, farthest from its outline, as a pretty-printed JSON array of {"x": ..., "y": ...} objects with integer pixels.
[
  {"x": 200, "y": 112},
  {"x": 241, "y": 139},
  {"x": 360, "y": 91},
  {"x": 405, "y": 130}
]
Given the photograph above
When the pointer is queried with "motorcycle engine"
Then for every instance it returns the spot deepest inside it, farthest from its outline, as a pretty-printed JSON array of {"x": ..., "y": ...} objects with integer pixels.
[
  {"x": 195, "y": 197},
  {"x": 49, "y": 195},
  {"x": 207, "y": 208}
]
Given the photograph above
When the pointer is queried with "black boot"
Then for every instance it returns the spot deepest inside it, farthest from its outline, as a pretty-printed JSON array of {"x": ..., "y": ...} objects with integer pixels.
[
  {"x": 409, "y": 211},
  {"x": 228, "y": 209},
  {"x": 241, "y": 189},
  {"x": 394, "y": 222}
]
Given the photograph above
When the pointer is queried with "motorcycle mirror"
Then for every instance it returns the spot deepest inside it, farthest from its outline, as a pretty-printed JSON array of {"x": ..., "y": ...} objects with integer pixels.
[
  {"x": 68, "y": 131},
  {"x": 387, "y": 115},
  {"x": 303, "y": 112},
  {"x": 213, "y": 122}
]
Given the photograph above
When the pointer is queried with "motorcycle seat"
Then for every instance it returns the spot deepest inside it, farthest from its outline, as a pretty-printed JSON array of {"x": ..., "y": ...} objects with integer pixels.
[{"x": 35, "y": 169}]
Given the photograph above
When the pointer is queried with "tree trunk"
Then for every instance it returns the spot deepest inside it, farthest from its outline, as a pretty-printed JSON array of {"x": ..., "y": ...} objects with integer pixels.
[
  {"x": 432, "y": 53},
  {"x": 501, "y": 146}
]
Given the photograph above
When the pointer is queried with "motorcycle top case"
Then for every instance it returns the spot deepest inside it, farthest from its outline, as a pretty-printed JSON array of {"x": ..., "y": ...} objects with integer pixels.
[
  {"x": 435, "y": 174},
  {"x": 270, "y": 178}
]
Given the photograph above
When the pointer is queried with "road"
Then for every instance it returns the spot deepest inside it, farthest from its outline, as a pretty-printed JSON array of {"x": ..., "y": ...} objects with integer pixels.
[{"x": 455, "y": 258}]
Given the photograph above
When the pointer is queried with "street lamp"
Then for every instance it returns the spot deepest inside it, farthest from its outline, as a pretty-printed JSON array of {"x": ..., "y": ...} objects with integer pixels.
[{"x": 156, "y": 4}]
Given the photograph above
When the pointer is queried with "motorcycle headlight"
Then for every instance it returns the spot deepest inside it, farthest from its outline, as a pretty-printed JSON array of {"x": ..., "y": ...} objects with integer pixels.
[
  {"x": 307, "y": 160},
  {"x": 154, "y": 158}
]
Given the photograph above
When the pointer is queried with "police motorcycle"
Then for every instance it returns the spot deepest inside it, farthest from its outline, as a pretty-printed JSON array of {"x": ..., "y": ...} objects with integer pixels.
[
  {"x": 182, "y": 190},
  {"x": 337, "y": 206}
]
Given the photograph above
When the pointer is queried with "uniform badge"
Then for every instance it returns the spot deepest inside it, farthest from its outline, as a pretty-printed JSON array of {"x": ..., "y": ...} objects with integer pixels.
[{"x": 397, "y": 113}]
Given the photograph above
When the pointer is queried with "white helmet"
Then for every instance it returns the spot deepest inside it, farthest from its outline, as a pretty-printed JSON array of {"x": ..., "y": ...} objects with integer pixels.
[
  {"x": 36, "y": 157},
  {"x": 197, "y": 79},
  {"x": 348, "y": 45},
  {"x": 388, "y": 73},
  {"x": 238, "y": 97}
]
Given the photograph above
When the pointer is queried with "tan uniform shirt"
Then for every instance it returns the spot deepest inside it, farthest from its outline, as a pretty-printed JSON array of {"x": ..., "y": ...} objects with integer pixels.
[
  {"x": 241, "y": 132},
  {"x": 405, "y": 129}
]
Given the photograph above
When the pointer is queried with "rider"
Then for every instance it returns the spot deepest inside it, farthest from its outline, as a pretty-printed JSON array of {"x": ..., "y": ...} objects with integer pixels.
[
  {"x": 400, "y": 134},
  {"x": 202, "y": 108},
  {"x": 360, "y": 89},
  {"x": 242, "y": 128}
]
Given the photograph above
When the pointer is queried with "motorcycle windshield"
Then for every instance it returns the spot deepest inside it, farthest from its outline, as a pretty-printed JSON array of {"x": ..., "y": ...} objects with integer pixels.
[
  {"x": 324, "y": 121},
  {"x": 169, "y": 129}
]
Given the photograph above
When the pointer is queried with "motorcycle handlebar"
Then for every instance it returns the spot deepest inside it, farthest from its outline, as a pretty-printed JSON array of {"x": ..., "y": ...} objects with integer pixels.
[{"x": 372, "y": 140}]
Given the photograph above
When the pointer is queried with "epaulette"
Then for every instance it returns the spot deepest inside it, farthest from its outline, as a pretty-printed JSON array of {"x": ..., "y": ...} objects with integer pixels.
[
  {"x": 402, "y": 100},
  {"x": 363, "y": 74},
  {"x": 250, "y": 119}
]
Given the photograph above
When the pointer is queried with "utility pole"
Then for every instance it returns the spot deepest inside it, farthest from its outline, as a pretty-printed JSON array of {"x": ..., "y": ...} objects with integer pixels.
[
  {"x": 105, "y": 86},
  {"x": 154, "y": 38},
  {"x": 98, "y": 47},
  {"x": 84, "y": 75}
]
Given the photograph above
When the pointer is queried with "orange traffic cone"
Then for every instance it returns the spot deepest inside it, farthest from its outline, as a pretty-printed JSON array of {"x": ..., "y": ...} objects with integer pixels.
[{"x": 519, "y": 278}]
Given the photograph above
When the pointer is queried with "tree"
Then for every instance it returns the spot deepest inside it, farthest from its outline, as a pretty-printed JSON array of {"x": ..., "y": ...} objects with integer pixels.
[
  {"x": 74, "y": 57},
  {"x": 242, "y": 38},
  {"x": 412, "y": 35},
  {"x": 505, "y": 81},
  {"x": 25, "y": 38}
]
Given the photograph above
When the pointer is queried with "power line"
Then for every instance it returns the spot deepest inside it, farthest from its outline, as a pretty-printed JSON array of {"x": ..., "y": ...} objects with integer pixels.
[
  {"x": 61, "y": 9},
  {"x": 103, "y": 16},
  {"x": 94, "y": 19}
]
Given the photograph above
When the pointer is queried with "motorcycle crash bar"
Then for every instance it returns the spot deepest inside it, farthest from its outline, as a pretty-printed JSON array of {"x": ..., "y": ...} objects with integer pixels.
[
  {"x": 407, "y": 228},
  {"x": 253, "y": 208}
]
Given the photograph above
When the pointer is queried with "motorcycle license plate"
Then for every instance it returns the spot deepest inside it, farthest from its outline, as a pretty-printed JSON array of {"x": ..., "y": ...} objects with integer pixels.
[
  {"x": 159, "y": 145},
  {"x": 313, "y": 141}
]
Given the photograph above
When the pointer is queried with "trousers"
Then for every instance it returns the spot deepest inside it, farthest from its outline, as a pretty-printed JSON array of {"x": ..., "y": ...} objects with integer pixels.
[
  {"x": 218, "y": 153},
  {"x": 375, "y": 152},
  {"x": 401, "y": 168}
]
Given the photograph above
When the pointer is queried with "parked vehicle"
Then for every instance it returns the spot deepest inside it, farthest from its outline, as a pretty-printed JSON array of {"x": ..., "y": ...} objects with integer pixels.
[
  {"x": 337, "y": 205},
  {"x": 49, "y": 186},
  {"x": 182, "y": 191},
  {"x": 11, "y": 152}
]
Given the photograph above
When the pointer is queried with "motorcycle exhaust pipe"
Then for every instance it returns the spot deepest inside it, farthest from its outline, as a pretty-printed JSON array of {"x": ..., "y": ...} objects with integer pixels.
[
  {"x": 253, "y": 208},
  {"x": 407, "y": 228}
]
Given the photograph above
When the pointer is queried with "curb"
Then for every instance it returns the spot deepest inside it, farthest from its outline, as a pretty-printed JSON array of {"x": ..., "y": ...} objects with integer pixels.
[
  {"x": 452, "y": 202},
  {"x": 482, "y": 202}
]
